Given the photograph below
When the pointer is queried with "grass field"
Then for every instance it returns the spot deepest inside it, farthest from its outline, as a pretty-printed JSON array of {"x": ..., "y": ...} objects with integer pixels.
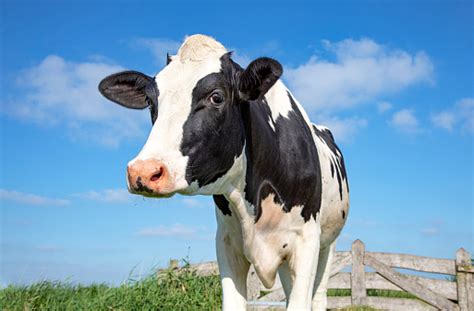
[{"x": 171, "y": 290}]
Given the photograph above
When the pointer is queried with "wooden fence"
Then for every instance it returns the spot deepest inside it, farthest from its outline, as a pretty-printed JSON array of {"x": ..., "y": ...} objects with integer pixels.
[{"x": 453, "y": 291}]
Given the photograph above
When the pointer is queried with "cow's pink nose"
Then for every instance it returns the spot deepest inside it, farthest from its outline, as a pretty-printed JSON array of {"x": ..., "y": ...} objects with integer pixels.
[{"x": 149, "y": 177}]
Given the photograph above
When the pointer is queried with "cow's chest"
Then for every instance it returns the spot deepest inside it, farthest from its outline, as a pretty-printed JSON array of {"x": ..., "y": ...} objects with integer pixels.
[{"x": 273, "y": 238}]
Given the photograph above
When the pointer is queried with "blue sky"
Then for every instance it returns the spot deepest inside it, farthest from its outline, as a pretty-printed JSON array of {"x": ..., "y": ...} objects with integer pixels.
[{"x": 392, "y": 79}]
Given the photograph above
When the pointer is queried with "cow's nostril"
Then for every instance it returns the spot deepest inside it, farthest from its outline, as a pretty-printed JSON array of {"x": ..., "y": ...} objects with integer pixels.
[{"x": 158, "y": 175}]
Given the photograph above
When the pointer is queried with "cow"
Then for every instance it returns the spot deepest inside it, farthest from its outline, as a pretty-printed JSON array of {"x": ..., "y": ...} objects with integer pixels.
[{"x": 278, "y": 181}]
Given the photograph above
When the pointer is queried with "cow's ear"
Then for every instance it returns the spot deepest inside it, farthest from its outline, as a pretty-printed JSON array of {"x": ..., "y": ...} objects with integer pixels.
[
  {"x": 130, "y": 89},
  {"x": 259, "y": 77}
]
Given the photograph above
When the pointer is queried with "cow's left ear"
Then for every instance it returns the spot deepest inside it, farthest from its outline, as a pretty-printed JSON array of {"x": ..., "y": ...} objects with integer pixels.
[
  {"x": 259, "y": 77},
  {"x": 130, "y": 89}
]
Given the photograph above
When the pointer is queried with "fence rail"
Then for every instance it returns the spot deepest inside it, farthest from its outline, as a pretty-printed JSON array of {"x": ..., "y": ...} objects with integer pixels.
[{"x": 455, "y": 292}]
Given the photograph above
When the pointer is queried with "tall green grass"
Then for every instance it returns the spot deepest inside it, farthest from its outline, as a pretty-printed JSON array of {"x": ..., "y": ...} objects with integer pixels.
[{"x": 170, "y": 290}]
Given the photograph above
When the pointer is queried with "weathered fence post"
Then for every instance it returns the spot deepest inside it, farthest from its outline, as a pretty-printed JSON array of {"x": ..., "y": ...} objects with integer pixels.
[
  {"x": 358, "y": 290},
  {"x": 465, "y": 280}
]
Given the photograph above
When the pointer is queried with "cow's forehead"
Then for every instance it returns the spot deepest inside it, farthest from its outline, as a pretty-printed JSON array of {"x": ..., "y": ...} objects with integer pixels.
[{"x": 197, "y": 57}]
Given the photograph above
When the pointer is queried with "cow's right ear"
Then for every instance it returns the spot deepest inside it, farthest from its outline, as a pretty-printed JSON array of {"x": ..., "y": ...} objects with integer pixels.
[{"x": 130, "y": 89}]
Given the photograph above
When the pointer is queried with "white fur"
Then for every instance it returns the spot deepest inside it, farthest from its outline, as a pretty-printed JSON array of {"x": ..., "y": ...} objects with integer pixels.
[{"x": 277, "y": 99}]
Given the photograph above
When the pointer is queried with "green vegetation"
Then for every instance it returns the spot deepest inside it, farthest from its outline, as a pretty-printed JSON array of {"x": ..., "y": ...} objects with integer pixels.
[
  {"x": 169, "y": 290},
  {"x": 372, "y": 292}
]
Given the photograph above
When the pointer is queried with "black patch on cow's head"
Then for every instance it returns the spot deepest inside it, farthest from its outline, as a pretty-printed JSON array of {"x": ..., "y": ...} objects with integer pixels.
[
  {"x": 168, "y": 59},
  {"x": 213, "y": 133},
  {"x": 343, "y": 214},
  {"x": 141, "y": 187},
  {"x": 133, "y": 90},
  {"x": 222, "y": 204}
]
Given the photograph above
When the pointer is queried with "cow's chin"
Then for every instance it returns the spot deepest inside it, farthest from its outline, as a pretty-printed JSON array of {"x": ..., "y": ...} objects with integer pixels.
[
  {"x": 152, "y": 193},
  {"x": 162, "y": 192}
]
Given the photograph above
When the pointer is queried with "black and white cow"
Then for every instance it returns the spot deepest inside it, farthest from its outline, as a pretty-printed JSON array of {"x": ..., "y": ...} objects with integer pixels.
[{"x": 278, "y": 181}]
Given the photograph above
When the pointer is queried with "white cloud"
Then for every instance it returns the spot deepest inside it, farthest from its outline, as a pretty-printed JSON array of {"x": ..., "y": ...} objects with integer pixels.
[
  {"x": 30, "y": 199},
  {"x": 107, "y": 195},
  {"x": 362, "y": 71},
  {"x": 159, "y": 47},
  {"x": 176, "y": 230},
  {"x": 405, "y": 120},
  {"x": 444, "y": 119},
  {"x": 383, "y": 106},
  {"x": 461, "y": 114},
  {"x": 58, "y": 92}
]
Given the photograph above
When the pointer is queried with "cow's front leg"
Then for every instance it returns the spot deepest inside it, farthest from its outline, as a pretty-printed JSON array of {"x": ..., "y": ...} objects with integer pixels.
[
  {"x": 233, "y": 268},
  {"x": 320, "y": 300},
  {"x": 303, "y": 265}
]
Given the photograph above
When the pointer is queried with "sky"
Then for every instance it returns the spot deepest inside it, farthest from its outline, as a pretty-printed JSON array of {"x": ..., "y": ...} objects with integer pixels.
[{"x": 393, "y": 80}]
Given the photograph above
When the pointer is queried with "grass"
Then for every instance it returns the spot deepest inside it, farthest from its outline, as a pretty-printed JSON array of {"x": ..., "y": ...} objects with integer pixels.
[
  {"x": 169, "y": 290},
  {"x": 373, "y": 293}
]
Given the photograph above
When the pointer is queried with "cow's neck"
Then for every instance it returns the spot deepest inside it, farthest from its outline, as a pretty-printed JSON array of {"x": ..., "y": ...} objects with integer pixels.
[{"x": 281, "y": 155}]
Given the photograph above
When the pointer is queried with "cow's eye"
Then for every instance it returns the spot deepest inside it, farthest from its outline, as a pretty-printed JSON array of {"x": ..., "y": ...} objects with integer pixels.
[{"x": 216, "y": 98}]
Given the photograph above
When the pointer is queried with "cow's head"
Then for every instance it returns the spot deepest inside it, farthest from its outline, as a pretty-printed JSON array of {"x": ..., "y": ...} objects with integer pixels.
[{"x": 195, "y": 101}]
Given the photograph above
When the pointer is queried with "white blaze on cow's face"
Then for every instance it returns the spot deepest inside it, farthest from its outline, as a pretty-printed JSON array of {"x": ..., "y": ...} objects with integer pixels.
[{"x": 198, "y": 57}]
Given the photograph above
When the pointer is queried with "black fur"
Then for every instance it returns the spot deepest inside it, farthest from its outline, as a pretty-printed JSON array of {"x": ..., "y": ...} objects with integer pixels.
[
  {"x": 259, "y": 77},
  {"x": 222, "y": 204},
  {"x": 213, "y": 134},
  {"x": 285, "y": 158}
]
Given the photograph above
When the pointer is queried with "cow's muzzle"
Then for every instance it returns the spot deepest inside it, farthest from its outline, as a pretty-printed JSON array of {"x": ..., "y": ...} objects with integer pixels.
[{"x": 149, "y": 178}]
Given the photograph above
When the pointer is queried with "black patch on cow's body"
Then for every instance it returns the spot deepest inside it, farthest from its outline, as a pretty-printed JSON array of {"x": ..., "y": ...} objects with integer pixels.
[
  {"x": 343, "y": 214},
  {"x": 213, "y": 135},
  {"x": 285, "y": 157},
  {"x": 222, "y": 204},
  {"x": 337, "y": 162}
]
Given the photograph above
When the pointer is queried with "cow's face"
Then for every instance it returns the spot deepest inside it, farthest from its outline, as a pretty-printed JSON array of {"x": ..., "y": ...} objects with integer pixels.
[{"x": 195, "y": 103}]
